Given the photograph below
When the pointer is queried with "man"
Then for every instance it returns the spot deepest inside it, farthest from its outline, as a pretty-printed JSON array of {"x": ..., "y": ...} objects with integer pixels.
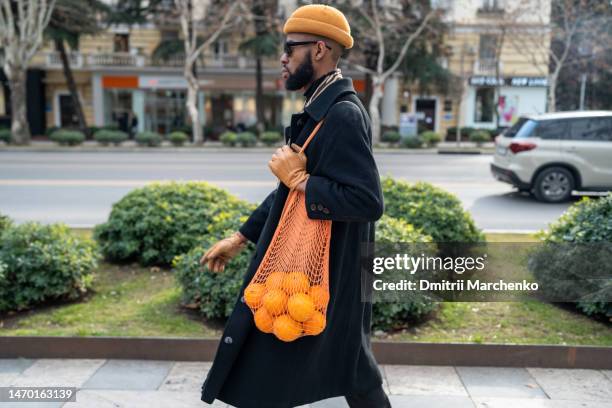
[{"x": 341, "y": 183}]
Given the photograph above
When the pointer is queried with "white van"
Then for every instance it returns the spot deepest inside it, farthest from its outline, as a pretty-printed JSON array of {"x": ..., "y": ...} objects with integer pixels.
[{"x": 553, "y": 154}]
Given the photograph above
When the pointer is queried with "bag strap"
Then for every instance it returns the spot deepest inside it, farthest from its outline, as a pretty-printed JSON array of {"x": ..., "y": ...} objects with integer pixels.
[{"x": 312, "y": 134}]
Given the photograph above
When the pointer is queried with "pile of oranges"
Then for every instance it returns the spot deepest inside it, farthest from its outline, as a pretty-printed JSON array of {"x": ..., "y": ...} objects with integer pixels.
[{"x": 287, "y": 305}]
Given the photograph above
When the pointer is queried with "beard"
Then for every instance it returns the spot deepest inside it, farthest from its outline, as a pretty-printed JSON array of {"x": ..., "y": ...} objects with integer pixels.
[{"x": 302, "y": 75}]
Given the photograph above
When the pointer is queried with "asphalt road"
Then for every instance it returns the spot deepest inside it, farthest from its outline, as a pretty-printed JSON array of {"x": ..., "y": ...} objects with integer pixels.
[{"x": 79, "y": 188}]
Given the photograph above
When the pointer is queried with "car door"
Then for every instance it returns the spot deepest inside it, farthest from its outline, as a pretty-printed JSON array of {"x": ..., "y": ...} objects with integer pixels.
[{"x": 588, "y": 146}]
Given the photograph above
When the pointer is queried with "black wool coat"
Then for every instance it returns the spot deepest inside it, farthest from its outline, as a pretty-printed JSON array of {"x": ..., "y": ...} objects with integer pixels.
[{"x": 253, "y": 369}]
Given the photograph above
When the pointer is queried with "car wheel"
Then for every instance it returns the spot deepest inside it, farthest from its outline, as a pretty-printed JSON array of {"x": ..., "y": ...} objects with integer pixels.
[{"x": 554, "y": 185}]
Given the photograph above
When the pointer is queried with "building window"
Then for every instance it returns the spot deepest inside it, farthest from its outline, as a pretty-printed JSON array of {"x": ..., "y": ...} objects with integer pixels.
[
  {"x": 488, "y": 47},
  {"x": 219, "y": 49},
  {"x": 491, "y": 5},
  {"x": 448, "y": 105},
  {"x": 484, "y": 106},
  {"x": 121, "y": 43}
]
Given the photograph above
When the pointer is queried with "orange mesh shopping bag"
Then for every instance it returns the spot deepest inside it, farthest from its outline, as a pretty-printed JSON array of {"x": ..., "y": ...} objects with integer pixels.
[{"x": 290, "y": 290}]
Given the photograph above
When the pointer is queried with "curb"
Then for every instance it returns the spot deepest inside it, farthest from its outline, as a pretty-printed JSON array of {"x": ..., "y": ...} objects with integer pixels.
[{"x": 410, "y": 353}]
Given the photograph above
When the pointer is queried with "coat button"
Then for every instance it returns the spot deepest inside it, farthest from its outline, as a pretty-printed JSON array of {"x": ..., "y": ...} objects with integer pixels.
[
  {"x": 326, "y": 211},
  {"x": 319, "y": 207},
  {"x": 313, "y": 207},
  {"x": 228, "y": 340}
]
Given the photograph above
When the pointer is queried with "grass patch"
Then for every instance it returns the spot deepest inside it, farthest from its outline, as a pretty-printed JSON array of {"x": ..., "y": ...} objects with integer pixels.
[{"x": 130, "y": 300}]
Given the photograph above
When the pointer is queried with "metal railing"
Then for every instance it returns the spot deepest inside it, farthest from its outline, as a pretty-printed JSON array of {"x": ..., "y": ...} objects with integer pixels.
[
  {"x": 487, "y": 66},
  {"x": 75, "y": 59}
]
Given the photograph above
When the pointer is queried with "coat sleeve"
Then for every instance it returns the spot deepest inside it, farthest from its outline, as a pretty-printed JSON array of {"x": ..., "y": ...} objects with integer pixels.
[
  {"x": 252, "y": 227},
  {"x": 344, "y": 184}
]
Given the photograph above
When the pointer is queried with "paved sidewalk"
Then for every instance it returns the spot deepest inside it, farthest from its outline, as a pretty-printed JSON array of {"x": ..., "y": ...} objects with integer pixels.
[{"x": 153, "y": 384}]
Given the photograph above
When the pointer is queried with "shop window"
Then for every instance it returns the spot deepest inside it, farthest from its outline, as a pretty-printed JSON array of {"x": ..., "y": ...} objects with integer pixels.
[
  {"x": 484, "y": 107},
  {"x": 121, "y": 43}
]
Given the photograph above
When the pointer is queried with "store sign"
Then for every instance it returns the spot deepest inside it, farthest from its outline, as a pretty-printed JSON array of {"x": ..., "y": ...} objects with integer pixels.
[
  {"x": 509, "y": 81},
  {"x": 166, "y": 82},
  {"x": 408, "y": 124}
]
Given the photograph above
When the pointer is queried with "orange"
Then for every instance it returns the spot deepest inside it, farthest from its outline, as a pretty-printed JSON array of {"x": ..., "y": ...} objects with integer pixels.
[
  {"x": 253, "y": 294},
  {"x": 315, "y": 324},
  {"x": 286, "y": 329},
  {"x": 275, "y": 280},
  {"x": 320, "y": 296},
  {"x": 300, "y": 307},
  {"x": 275, "y": 301},
  {"x": 263, "y": 320},
  {"x": 295, "y": 282}
]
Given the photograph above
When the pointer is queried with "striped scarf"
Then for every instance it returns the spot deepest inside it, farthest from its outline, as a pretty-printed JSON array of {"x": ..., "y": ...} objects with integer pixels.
[{"x": 331, "y": 78}]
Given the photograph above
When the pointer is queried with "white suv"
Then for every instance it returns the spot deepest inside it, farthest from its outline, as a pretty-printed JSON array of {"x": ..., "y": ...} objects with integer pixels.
[{"x": 553, "y": 154}]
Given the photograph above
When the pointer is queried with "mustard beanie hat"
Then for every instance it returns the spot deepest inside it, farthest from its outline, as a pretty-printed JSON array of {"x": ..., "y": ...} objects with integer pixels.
[{"x": 319, "y": 19}]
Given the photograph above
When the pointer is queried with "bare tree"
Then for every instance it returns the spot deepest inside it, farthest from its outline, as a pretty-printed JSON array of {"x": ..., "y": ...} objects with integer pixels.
[
  {"x": 385, "y": 32},
  {"x": 195, "y": 17},
  {"x": 22, "y": 23}
]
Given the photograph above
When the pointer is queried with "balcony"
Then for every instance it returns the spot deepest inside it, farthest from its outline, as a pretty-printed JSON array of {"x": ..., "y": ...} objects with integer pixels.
[
  {"x": 75, "y": 59},
  {"x": 487, "y": 66},
  {"x": 116, "y": 59}
]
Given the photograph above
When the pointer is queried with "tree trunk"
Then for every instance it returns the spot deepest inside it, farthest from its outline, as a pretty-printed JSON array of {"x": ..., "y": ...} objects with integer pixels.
[
  {"x": 374, "y": 108},
  {"x": 72, "y": 87},
  {"x": 259, "y": 102},
  {"x": 192, "y": 104},
  {"x": 552, "y": 96},
  {"x": 20, "y": 129}
]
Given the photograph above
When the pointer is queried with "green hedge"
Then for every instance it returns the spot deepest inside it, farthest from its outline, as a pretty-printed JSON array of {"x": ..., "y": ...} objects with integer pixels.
[
  {"x": 437, "y": 212},
  {"x": 391, "y": 137},
  {"x": 246, "y": 139},
  {"x": 151, "y": 139},
  {"x": 270, "y": 138},
  {"x": 155, "y": 223},
  {"x": 480, "y": 136},
  {"x": 66, "y": 137},
  {"x": 106, "y": 137},
  {"x": 40, "y": 263},
  {"x": 431, "y": 138},
  {"x": 178, "y": 138},
  {"x": 229, "y": 138},
  {"x": 575, "y": 246},
  {"x": 213, "y": 294},
  {"x": 412, "y": 142},
  {"x": 5, "y": 135}
]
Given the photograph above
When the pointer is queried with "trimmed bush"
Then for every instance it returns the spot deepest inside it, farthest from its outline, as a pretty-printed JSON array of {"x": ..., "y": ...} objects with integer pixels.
[
  {"x": 229, "y": 138},
  {"x": 430, "y": 138},
  {"x": 246, "y": 139},
  {"x": 213, "y": 295},
  {"x": 451, "y": 133},
  {"x": 5, "y": 135},
  {"x": 66, "y": 137},
  {"x": 5, "y": 223},
  {"x": 435, "y": 211},
  {"x": 412, "y": 142},
  {"x": 106, "y": 137},
  {"x": 40, "y": 263},
  {"x": 410, "y": 307},
  {"x": 178, "y": 138},
  {"x": 270, "y": 138},
  {"x": 392, "y": 137},
  {"x": 480, "y": 136},
  {"x": 571, "y": 253},
  {"x": 155, "y": 223},
  {"x": 150, "y": 139}
]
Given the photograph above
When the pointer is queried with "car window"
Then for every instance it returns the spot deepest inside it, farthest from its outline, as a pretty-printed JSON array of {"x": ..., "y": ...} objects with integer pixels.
[
  {"x": 551, "y": 129},
  {"x": 591, "y": 129},
  {"x": 521, "y": 129}
]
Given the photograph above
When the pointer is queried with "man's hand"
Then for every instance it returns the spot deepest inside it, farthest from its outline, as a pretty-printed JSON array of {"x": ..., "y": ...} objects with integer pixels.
[
  {"x": 223, "y": 251},
  {"x": 289, "y": 166}
]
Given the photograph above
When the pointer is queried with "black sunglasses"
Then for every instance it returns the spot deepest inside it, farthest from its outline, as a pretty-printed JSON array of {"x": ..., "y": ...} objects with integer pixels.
[{"x": 290, "y": 44}]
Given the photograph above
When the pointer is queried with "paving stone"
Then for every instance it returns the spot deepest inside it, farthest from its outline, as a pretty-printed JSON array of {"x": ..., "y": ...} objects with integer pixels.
[
  {"x": 58, "y": 373},
  {"x": 139, "y": 399},
  {"x": 336, "y": 402},
  {"x": 130, "y": 375},
  {"x": 385, "y": 382},
  {"x": 499, "y": 382},
  {"x": 186, "y": 376},
  {"x": 573, "y": 384},
  {"x": 536, "y": 403},
  {"x": 607, "y": 373},
  {"x": 424, "y": 380},
  {"x": 429, "y": 401},
  {"x": 10, "y": 368},
  {"x": 31, "y": 404}
]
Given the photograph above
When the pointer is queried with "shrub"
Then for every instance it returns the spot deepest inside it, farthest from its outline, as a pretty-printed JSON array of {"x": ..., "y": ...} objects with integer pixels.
[
  {"x": 68, "y": 137},
  {"x": 451, "y": 133},
  {"x": 431, "y": 138},
  {"x": 229, "y": 138},
  {"x": 213, "y": 294},
  {"x": 106, "y": 137},
  {"x": 409, "y": 307},
  {"x": 480, "y": 136},
  {"x": 270, "y": 138},
  {"x": 43, "y": 262},
  {"x": 5, "y": 135},
  {"x": 437, "y": 212},
  {"x": 178, "y": 138},
  {"x": 412, "y": 142},
  {"x": 571, "y": 251},
  {"x": 151, "y": 139},
  {"x": 5, "y": 223},
  {"x": 391, "y": 137},
  {"x": 154, "y": 223},
  {"x": 246, "y": 139}
]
